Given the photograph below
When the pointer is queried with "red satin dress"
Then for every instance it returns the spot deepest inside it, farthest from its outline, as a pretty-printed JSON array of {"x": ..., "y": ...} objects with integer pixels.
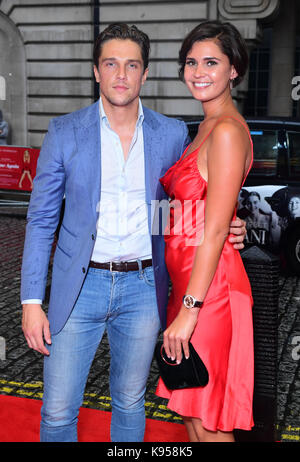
[{"x": 223, "y": 336}]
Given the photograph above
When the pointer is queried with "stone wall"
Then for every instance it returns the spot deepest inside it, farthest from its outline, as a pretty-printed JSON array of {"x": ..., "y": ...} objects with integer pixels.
[
  {"x": 56, "y": 37},
  {"x": 47, "y": 49}
]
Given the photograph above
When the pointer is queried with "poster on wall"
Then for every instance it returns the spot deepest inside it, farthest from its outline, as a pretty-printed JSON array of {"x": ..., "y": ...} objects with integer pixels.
[
  {"x": 17, "y": 167},
  {"x": 269, "y": 211}
]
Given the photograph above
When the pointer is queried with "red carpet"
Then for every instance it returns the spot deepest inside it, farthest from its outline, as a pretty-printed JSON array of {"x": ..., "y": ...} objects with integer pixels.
[{"x": 20, "y": 420}]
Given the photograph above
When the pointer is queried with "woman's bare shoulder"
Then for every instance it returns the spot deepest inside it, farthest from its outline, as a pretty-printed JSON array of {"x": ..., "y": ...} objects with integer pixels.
[{"x": 231, "y": 130}]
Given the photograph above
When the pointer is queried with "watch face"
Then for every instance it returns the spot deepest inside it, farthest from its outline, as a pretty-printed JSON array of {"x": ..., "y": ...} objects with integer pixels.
[{"x": 189, "y": 301}]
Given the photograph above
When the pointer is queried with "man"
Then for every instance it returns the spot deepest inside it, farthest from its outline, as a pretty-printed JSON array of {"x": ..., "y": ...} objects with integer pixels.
[{"x": 106, "y": 160}]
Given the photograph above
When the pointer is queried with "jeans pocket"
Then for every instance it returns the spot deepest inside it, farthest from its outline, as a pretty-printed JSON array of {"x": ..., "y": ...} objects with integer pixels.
[{"x": 148, "y": 275}]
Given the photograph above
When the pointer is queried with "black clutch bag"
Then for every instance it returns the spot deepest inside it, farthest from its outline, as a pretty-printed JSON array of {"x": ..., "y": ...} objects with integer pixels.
[{"x": 189, "y": 373}]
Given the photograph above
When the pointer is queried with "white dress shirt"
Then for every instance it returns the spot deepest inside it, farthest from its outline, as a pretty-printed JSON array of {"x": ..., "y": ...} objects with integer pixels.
[{"x": 122, "y": 228}]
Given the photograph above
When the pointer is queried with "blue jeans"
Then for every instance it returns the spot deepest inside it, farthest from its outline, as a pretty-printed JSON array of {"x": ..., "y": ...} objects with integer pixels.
[{"x": 125, "y": 305}]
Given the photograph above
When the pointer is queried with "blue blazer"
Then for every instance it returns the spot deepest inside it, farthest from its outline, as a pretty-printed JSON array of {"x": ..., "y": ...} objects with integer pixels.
[{"x": 69, "y": 166}]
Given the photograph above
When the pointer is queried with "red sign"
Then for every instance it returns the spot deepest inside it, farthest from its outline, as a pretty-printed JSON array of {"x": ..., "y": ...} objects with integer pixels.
[{"x": 17, "y": 167}]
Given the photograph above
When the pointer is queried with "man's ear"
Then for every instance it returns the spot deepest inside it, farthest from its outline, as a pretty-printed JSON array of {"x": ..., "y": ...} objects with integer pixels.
[
  {"x": 96, "y": 74},
  {"x": 145, "y": 75}
]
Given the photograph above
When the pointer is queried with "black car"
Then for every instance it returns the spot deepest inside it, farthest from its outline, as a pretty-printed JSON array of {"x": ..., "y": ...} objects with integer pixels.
[{"x": 270, "y": 199}]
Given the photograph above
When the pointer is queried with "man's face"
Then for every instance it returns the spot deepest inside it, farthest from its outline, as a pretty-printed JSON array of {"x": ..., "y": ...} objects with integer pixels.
[{"x": 120, "y": 72}]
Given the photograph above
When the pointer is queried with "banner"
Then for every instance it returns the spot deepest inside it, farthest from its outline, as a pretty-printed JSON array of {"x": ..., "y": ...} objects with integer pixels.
[{"x": 17, "y": 167}]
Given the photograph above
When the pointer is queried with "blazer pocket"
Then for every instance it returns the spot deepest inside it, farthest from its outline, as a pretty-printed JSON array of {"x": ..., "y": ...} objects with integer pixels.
[
  {"x": 67, "y": 241},
  {"x": 61, "y": 259},
  {"x": 66, "y": 248}
]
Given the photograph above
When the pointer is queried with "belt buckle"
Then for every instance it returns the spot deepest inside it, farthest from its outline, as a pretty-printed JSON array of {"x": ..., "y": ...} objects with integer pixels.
[{"x": 110, "y": 266}]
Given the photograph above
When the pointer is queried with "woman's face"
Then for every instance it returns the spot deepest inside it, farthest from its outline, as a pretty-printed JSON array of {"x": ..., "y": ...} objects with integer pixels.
[
  {"x": 294, "y": 206},
  {"x": 207, "y": 71},
  {"x": 253, "y": 203}
]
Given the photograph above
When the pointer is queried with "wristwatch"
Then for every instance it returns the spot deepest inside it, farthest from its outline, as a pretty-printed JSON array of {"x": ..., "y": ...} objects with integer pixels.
[{"x": 190, "y": 302}]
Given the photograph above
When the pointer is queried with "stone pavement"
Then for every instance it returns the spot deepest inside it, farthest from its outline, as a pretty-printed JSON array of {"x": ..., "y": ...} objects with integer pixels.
[{"x": 21, "y": 370}]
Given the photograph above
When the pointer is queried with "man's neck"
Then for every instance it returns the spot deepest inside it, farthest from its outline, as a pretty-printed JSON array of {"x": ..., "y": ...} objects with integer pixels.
[
  {"x": 122, "y": 120},
  {"x": 120, "y": 117}
]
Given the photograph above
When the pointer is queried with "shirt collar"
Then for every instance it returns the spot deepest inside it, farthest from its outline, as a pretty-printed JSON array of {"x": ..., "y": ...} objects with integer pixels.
[{"x": 104, "y": 119}]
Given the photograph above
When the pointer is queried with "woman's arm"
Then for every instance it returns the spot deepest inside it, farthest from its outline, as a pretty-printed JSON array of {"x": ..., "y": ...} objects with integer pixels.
[{"x": 226, "y": 159}]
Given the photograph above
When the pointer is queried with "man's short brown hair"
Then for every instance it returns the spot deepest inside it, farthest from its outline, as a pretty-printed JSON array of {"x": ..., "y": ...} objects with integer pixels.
[{"x": 122, "y": 31}]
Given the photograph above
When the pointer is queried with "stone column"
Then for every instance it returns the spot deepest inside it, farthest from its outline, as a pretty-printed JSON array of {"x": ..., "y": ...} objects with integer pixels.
[
  {"x": 283, "y": 61},
  {"x": 12, "y": 81}
]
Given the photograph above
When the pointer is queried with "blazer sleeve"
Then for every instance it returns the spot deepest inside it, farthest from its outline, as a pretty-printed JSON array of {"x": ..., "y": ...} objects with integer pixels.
[{"x": 42, "y": 217}]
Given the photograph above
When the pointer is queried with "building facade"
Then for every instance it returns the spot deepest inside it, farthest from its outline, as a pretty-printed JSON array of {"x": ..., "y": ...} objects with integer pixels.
[{"x": 46, "y": 66}]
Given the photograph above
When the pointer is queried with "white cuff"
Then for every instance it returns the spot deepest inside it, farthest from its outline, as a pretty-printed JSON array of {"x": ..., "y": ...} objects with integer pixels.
[{"x": 33, "y": 301}]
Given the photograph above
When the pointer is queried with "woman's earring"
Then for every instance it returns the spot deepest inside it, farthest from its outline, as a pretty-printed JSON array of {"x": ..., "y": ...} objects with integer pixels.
[{"x": 231, "y": 84}]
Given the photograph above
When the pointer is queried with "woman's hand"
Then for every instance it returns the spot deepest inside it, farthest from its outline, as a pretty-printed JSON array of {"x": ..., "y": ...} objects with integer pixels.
[{"x": 178, "y": 334}]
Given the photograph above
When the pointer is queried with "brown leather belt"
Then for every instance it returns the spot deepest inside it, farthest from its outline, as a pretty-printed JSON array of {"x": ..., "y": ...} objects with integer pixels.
[{"x": 122, "y": 266}]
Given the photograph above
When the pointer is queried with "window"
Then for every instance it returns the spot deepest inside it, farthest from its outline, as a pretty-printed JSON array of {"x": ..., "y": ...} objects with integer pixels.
[
  {"x": 265, "y": 148},
  {"x": 294, "y": 153},
  {"x": 256, "y": 103},
  {"x": 257, "y": 96}
]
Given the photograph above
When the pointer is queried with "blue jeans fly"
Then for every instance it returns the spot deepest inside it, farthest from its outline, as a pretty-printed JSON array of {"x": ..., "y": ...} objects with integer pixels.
[{"x": 125, "y": 305}]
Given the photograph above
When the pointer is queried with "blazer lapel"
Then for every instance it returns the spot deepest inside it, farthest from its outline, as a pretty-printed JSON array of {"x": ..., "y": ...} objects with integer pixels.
[
  {"x": 89, "y": 148},
  {"x": 153, "y": 161},
  {"x": 153, "y": 156}
]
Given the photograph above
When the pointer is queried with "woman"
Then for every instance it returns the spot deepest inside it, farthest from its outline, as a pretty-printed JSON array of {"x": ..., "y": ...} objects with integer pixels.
[
  {"x": 26, "y": 170},
  {"x": 200, "y": 260}
]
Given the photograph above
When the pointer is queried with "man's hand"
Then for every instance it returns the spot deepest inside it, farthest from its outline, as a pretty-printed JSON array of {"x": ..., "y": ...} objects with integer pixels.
[
  {"x": 238, "y": 229},
  {"x": 35, "y": 327}
]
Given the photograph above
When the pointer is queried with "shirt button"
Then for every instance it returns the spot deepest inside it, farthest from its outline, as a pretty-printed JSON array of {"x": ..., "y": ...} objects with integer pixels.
[
  {"x": 83, "y": 269},
  {"x": 93, "y": 237}
]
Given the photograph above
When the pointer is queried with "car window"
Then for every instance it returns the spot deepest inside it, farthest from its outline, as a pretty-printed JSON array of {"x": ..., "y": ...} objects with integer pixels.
[
  {"x": 265, "y": 148},
  {"x": 294, "y": 153}
]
